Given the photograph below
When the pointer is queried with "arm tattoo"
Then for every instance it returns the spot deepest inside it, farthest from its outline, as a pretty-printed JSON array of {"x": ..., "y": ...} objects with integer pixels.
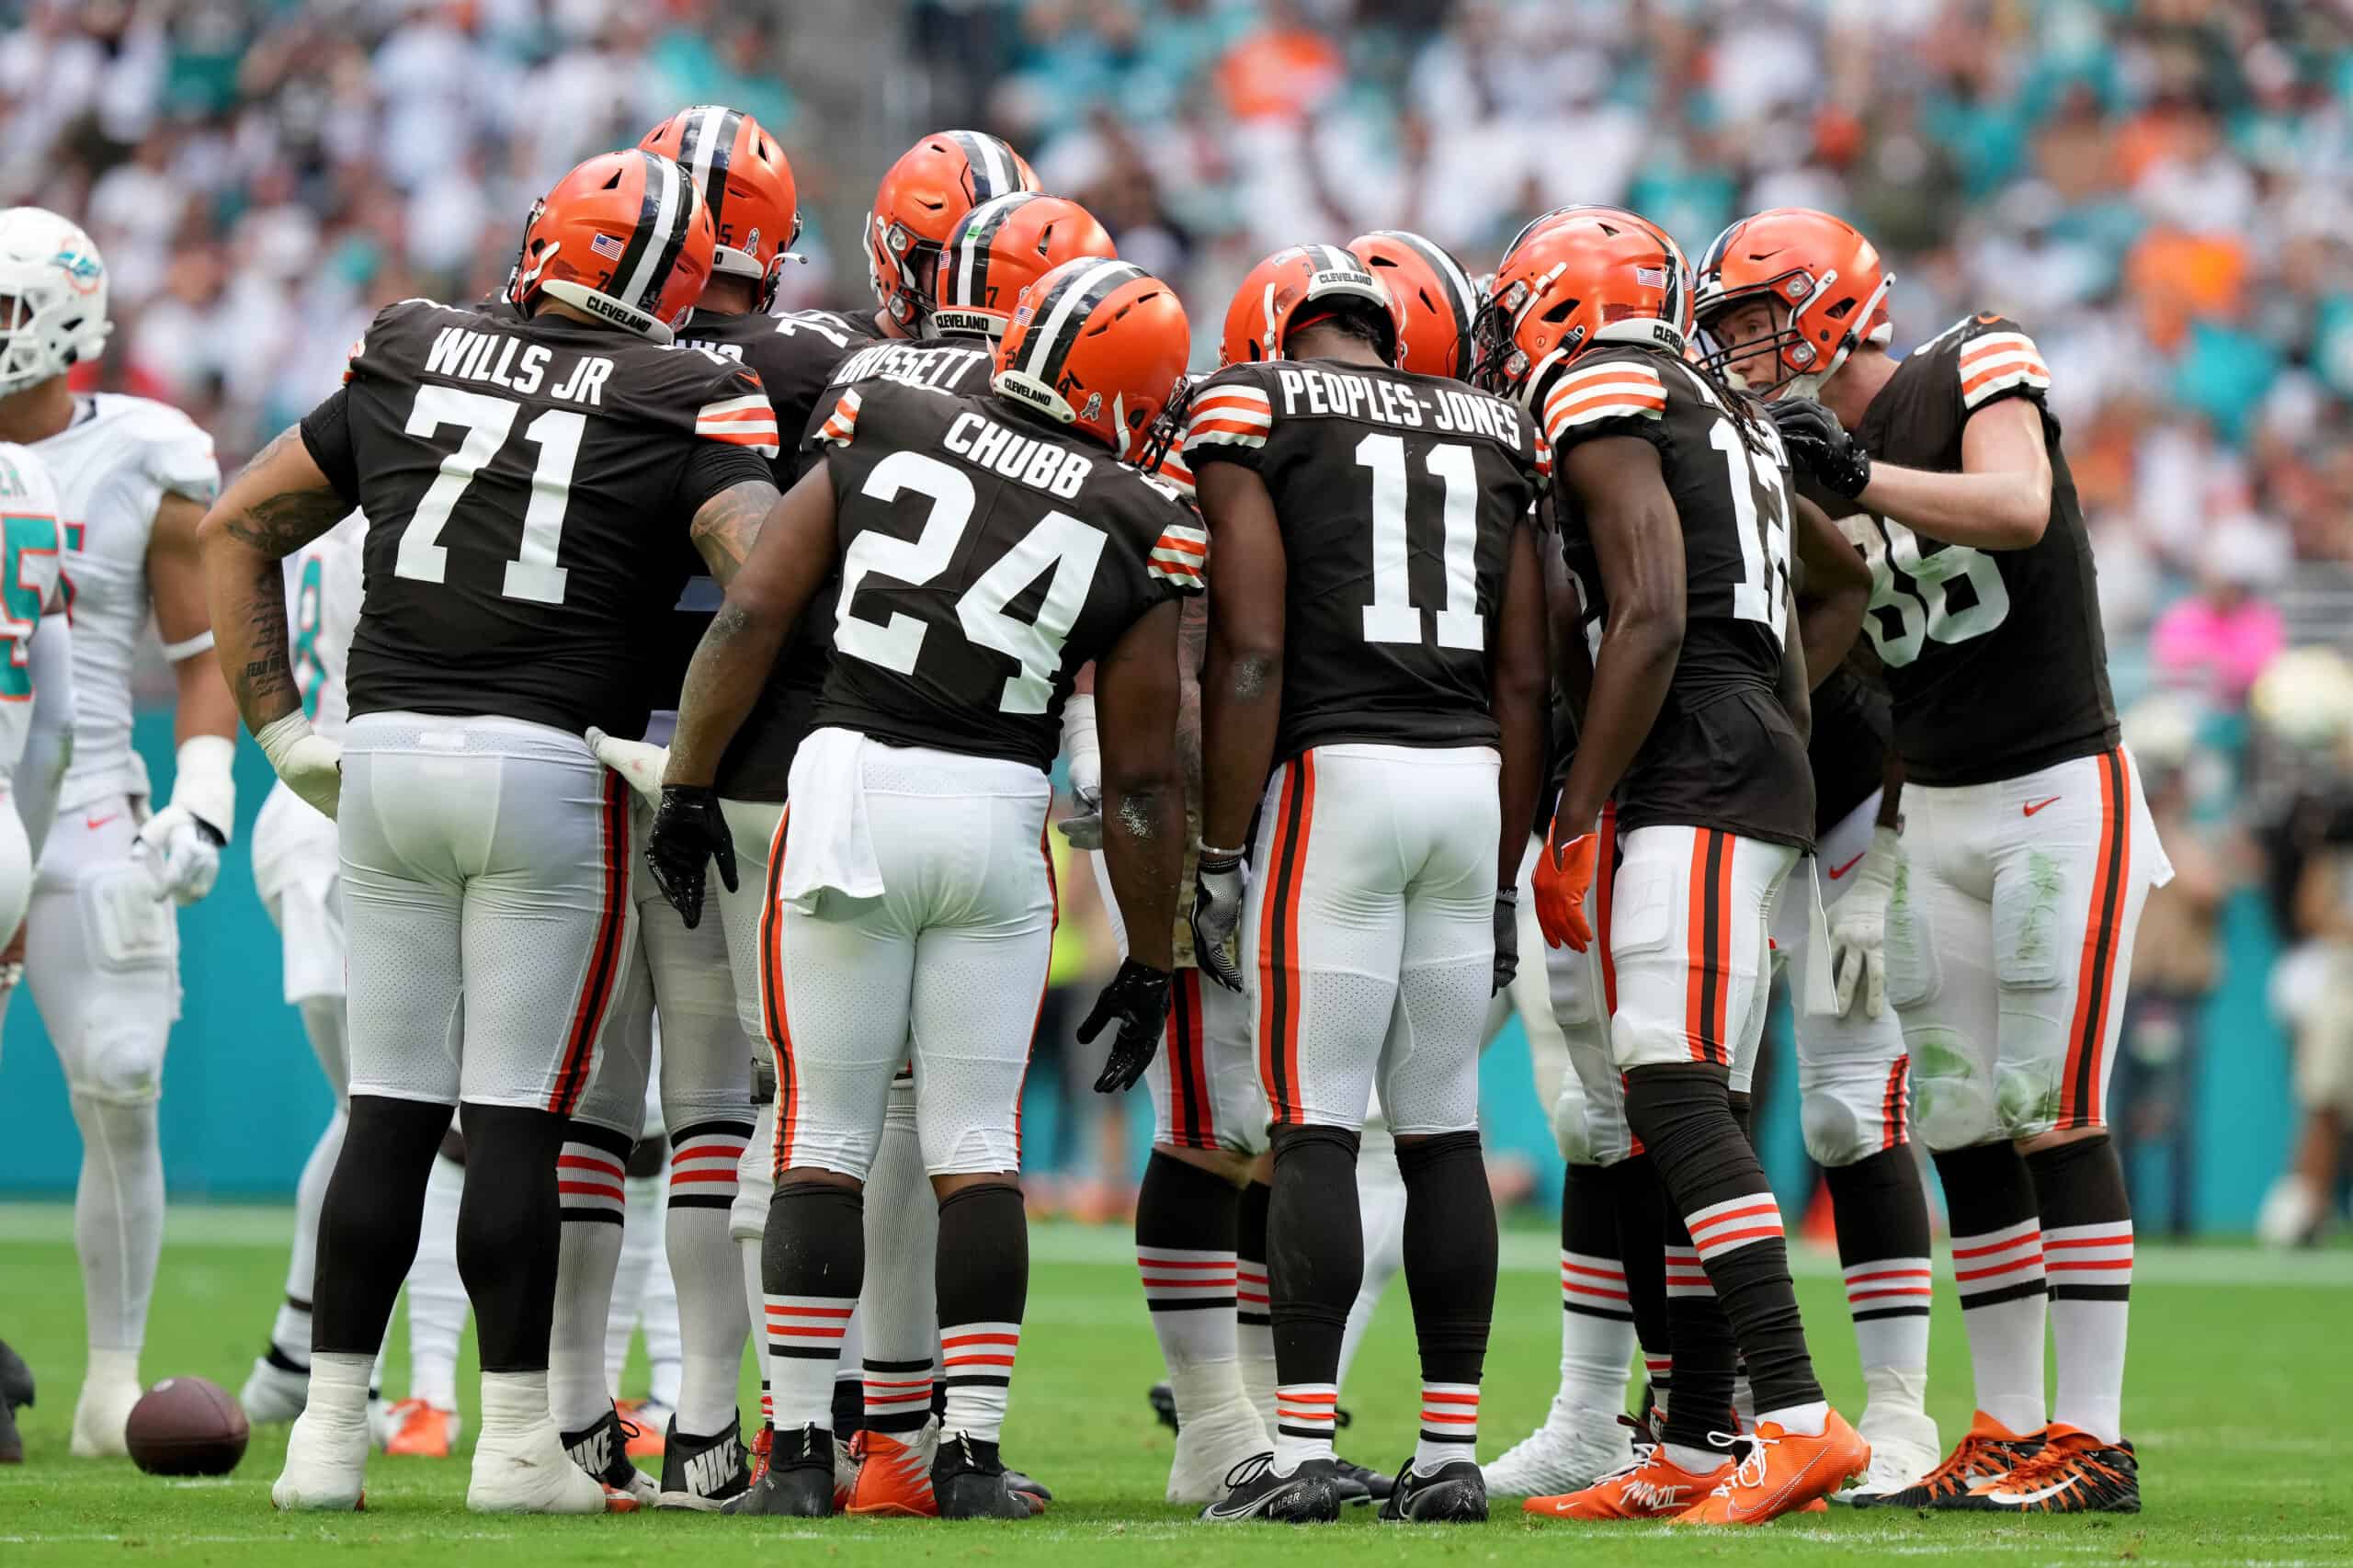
[
  {"x": 728, "y": 525},
  {"x": 265, "y": 687},
  {"x": 281, "y": 524}
]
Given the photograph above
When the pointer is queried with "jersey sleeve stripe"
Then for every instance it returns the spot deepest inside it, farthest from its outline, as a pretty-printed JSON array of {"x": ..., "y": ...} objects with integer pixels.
[
  {"x": 1239, "y": 411},
  {"x": 1608, "y": 405},
  {"x": 751, "y": 403},
  {"x": 842, "y": 423},
  {"x": 1222, "y": 435},
  {"x": 2018, "y": 369},
  {"x": 1993, "y": 343},
  {"x": 1614, "y": 371},
  {"x": 1249, "y": 396}
]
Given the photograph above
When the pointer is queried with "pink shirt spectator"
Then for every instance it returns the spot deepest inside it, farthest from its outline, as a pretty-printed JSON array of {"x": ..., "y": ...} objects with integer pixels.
[{"x": 2221, "y": 644}]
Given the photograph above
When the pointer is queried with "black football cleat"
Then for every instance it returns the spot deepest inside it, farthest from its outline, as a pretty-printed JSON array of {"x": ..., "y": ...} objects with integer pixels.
[
  {"x": 2073, "y": 1472},
  {"x": 1988, "y": 1454},
  {"x": 1457, "y": 1494},
  {"x": 703, "y": 1473},
  {"x": 968, "y": 1481},
  {"x": 602, "y": 1449},
  {"x": 798, "y": 1483},
  {"x": 1361, "y": 1482},
  {"x": 1027, "y": 1484},
  {"x": 1163, "y": 1405},
  {"x": 16, "y": 1390},
  {"x": 1308, "y": 1495}
]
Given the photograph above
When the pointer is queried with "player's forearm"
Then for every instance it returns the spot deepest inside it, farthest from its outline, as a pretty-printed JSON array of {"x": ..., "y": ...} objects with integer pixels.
[
  {"x": 1143, "y": 850},
  {"x": 246, "y": 591},
  {"x": 1984, "y": 511},
  {"x": 1630, "y": 675},
  {"x": 205, "y": 706},
  {"x": 1242, "y": 693},
  {"x": 1891, "y": 792},
  {"x": 723, "y": 681},
  {"x": 1827, "y": 627},
  {"x": 1522, "y": 717},
  {"x": 1797, "y": 681}
]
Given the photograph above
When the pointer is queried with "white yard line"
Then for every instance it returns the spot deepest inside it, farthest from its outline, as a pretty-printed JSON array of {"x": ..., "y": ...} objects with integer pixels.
[{"x": 269, "y": 1226}]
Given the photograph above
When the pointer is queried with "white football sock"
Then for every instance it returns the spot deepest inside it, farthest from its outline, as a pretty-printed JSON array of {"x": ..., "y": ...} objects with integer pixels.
[
  {"x": 641, "y": 1245},
  {"x": 578, "y": 1395},
  {"x": 700, "y": 1357},
  {"x": 117, "y": 1217}
]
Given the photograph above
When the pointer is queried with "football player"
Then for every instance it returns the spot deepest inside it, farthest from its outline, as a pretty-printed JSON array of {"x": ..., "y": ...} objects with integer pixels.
[
  {"x": 101, "y": 944},
  {"x": 516, "y": 469},
  {"x": 2006, "y": 905},
  {"x": 1408, "y": 728},
  {"x": 910, "y": 897},
  {"x": 1678, "y": 519},
  {"x": 801, "y": 357}
]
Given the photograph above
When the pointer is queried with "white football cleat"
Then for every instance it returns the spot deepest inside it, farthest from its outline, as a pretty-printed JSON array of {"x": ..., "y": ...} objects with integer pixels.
[
  {"x": 273, "y": 1394},
  {"x": 326, "y": 1465},
  {"x": 1903, "y": 1449},
  {"x": 1572, "y": 1451},
  {"x": 526, "y": 1469},
  {"x": 1209, "y": 1445},
  {"x": 100, "y": 1415}
]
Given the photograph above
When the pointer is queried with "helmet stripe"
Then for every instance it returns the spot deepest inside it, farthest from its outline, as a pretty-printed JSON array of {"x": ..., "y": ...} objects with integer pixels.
[
  {"x": 661, "y": 231},
  {"x": 706, "y": 154},
  {"x": 968, "y": 269},
  {"x": 637, "y": 253},
  {"x": 1061, "y": 315}
]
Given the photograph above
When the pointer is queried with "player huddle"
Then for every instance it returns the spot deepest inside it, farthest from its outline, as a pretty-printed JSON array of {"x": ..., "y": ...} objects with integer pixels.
[{"x": 1445, "y": 618}]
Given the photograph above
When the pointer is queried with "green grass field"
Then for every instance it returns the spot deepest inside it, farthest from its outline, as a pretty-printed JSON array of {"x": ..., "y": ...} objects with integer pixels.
[{"x": 2238, "y": 1400}]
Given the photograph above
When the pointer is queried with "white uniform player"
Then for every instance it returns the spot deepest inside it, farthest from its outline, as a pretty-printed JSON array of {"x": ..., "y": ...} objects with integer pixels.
[{"x": 133, "y": 478}]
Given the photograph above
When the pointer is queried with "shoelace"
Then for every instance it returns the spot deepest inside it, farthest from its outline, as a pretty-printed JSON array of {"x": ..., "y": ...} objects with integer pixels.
[
  {"x": 1250, "y": 1470},
  {"x": 1966, "y": 1457},
  {"x": 2054, "y": 1460},
  {"x": 1751, "y": 1469},
  {"x": 1642, "y": 1452}
]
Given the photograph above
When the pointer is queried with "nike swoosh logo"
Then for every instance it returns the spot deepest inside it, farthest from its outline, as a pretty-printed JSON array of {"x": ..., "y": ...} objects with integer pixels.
[
  {"x": 2037, "y": 806},
  {"x": 93, "y": 824},
  {"x": 1838, "y": 871},
  {"x": 2018, "y": 1497}
]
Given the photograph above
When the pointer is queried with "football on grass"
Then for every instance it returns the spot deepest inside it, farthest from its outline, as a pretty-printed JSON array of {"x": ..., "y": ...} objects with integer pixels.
[{"x": 186, "y": 1427}]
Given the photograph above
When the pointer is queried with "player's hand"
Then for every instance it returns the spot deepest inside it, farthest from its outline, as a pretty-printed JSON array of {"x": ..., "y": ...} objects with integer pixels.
[
  {"x": 1822, "y": 446},
  {"x": 1858, "y": 925},
  {"x": 1084, "y": 826},
  {"x": 1507, "y": 940},
  {"x": 181, "y": 851},
  {"x": 305, "y": 761},
  {"x": 1562, "y": 881},
  {"x": 1218, "y": 885},
  {"x": 639, "y": 764},
  {"x": 1138, "y": 998},
  {"x": 688, "y": 833}
]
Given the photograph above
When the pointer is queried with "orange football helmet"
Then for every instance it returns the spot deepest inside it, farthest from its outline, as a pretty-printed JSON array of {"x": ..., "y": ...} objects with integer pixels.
[
  {"x": 921, "y": 198},
  {"x": 1001, "y": 247},
  {"x": 746, "y": 186},
  {"x": 1432, "y": 291},
  {"x": 1297, "y": 287},
  {"x": 1821, "y": 271},
  {"x": 625, "y": 237},
  {"x": 1101, "y": 345},
  {"x": 1590, "y": 274}
]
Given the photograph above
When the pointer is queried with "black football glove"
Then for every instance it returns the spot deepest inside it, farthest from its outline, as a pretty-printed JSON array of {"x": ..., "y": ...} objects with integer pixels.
[
  {"x": 1506, "y": 938},
  {"x": 1216, "y": 915},
  {"x": 1138, "y": 998},
  {"x": 1821, "y": 445},
  {"x": 689, "y": 834}
]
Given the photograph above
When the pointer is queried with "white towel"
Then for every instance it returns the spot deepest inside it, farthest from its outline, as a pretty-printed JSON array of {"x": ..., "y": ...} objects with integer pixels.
[
  {"x": 828, "y": 843},
  {"x": 1821, "y": 994}
]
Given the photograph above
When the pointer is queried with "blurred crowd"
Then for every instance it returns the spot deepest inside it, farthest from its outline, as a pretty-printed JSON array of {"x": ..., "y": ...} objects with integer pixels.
[{"x": 2162, "y": 191}]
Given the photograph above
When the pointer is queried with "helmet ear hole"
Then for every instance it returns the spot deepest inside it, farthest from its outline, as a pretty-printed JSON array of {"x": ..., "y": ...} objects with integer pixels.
[
  {"x": 1561, "y": 312},
  {"x": 614, "y": 183}
]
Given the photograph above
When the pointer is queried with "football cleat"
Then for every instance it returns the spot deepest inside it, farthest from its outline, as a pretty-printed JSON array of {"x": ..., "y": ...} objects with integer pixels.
[
  {"x": 533, "y": 1469},
  {"x": 649, "y": 1421},
  {"x": 602, "y": 1450},
  {"x": 845, "y": 1460},
  {"x": 893, "y": 1474},
  {"x": 1308, "y": 1495},
  {"x": 1021, "y": 1481},
  {"x": 702, "y": 1473},
  {"x": 1648, "y": 1486},
  {"x": 1456, "y": 1494},
  {"x": 760, "y": 1454},
  {"x": 968, "y": 1479},
  {"x": 1359, "y": 1483},
  {"x": 1783, "y": 1472},
  {"x": 275, "y": 1391},
  {"x": 99, "y": 1415},
  {"x": 797, "y": 1482},
  {"x": 419, "y": 1430},
  {"x": 1985, "y": 1455},
  {"x": 1562, "y": 1456},
  {"x": 2075, "y": 1472},
  {"x": 1903, "y": 1450},
  {"x": 15, "y": 1392}
]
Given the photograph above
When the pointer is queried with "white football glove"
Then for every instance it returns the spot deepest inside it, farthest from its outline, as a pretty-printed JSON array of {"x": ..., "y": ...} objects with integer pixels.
[
  {"x": 1084, "y": 827},
  {"x": 1858, "y": 925},
  {"x": 1221, "y": 879},
  {"x": 181, "y": 851},
  {"x": 306, "y": 762},
  {"x": 638, "y": 762}
]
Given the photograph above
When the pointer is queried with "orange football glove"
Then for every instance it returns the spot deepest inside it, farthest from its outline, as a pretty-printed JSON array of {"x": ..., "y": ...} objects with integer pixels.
[{"x": 1560, "y": 887}]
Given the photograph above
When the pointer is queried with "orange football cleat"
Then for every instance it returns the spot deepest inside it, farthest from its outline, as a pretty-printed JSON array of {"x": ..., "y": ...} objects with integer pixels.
[
  {"x": 1652, "y": 1487},
  {"x": 420, "y": 1430},
  {"x": 1784, "y": 1472},
  {"x": 895, "y": 1477},
  {"x": 648, "y": 1426}
]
